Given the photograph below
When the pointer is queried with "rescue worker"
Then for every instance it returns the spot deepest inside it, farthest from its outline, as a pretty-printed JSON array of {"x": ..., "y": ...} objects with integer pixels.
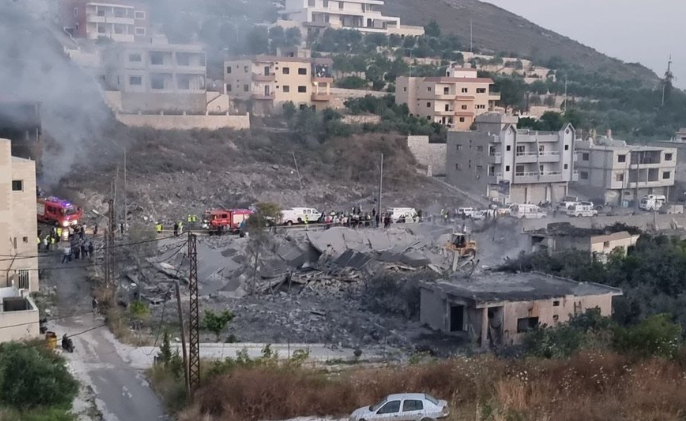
[
  {"x": 95, "y": 229},
  {"x": 176, "y": 229},
  {"x": 91, "y": 249},
  {"x": 59, "y": 232},
  {"x": 66, "y": 254},
  {"x": 46, "y": 243},
  {"x": 52, "y": 241},
  {"x": 38, "y": 243},
  {"x": 77, "y": 251},
  {"x": 306, "y": 221},
  {"x": 180, "y": 227},
  {"x": 159, "y": 227}
]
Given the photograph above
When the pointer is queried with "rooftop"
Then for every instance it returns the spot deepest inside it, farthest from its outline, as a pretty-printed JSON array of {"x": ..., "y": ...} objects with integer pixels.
[
  {"x": 566, "y": 229},
  {"x": 269, "y": 59},
  {"x": 500, "y": 286},
  {"x": 459, "y": 79}
]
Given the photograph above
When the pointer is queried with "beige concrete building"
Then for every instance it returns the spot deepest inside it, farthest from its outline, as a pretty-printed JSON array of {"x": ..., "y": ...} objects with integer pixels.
[
  {"x": 497, "y": 309},
  {"x": 454, "y": 100},
  {"x": 18, "y": 223},
  {"x": 263, "y": 84},
  {"x": 19, "y": 319},
  {"x": 511, "y": 165},
  {"x": 597, "y": 243},
  {"x": 678, "y": 143},
  {"x": 360, "y": 15},
  {"x": 621, "y": 173},
  {"x": 157, "y": 77},
  {"x": 116, "y": 20}
]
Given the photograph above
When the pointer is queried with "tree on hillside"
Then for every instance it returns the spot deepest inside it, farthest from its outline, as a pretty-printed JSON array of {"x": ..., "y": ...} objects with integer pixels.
[
  {"x": 217, "y": 322},
  {"x": 511, "y": 92},
  {"x": 432, "y": 29}
]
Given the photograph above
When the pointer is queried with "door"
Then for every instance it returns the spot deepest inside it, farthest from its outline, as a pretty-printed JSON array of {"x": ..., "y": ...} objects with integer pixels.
[
  {"x": 412, "y": 410},
  {"x": 456, "y": 318},
  {"x": 389, "y": 412},
  {"x": 266, "y": 90}
]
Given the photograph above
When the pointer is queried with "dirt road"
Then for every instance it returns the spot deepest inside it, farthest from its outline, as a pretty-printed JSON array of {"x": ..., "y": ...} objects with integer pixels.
[{"x": 100, "y": 361}]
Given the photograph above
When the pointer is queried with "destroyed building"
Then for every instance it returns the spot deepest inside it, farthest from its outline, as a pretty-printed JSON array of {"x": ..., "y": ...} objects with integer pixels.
[
  {"x": 497, "y": 309},
  {"x": 598, "y": 243}
]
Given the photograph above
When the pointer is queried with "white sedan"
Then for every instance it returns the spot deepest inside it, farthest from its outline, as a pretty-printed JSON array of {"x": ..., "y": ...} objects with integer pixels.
[{"x": 403, "y": 407}]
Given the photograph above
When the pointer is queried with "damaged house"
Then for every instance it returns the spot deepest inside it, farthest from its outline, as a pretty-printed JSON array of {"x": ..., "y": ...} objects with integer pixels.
[
  {"x": 598, "y": 243},
  {"x": 496, "y": 309}
]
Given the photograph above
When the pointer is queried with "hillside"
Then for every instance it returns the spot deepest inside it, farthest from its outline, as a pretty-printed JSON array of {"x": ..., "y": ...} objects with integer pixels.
[{"x": 498, "y": 30}]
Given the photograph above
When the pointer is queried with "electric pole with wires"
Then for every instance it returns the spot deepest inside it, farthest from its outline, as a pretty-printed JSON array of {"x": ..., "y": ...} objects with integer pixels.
[
  {"x": 194, "y": 317},
  {"x": 109, "y": 261}
]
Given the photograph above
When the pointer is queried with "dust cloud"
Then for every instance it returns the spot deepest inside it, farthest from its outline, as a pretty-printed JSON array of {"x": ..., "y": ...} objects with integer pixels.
[{"x": 34, "y": 67}]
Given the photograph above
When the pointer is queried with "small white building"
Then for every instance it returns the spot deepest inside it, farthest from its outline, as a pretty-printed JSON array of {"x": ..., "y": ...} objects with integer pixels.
[{"x": 18, "y": 316}]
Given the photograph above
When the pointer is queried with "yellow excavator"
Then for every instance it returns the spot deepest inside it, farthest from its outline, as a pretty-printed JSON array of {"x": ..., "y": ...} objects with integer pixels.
[{"x": 460, "y": 245}]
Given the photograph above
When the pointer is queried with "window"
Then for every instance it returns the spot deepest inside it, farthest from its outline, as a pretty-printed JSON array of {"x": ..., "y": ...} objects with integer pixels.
[
  {"x": 340, "y": 5},
  {"x": 326, "y": 4},
  {"x": 461, "y": 119},
  {"x": 140, "y": 31},
  {"x": 666, "y": 175},
  {"x": 620, "y": 158},
  {"x": 17, "y": 185},
  {"x": 157, "y": 82},
  {"x": 428, "y": 89},
  {"x": 458, "y": 147},
  {"x": 491, "y": 170},
  {"x": 428, "y": 105},
  {"x": 118, "y": 13},
  {"x": 446, "y": 91},
  {"x": 479, "y": 168},
  {"x": 246, "y": 88},
  {"x": 228, "y": 88},
  {"x": 520, "y": 150},
  {"x": 245, "y": 69},
  {"x": 606, "y": 244},
  {"x": 228, "y": 70},
  {"x": 480, "y": 90},
  {"x": 390, "y": 408},
  {"x": 22, "y": 278},
  {"x": 405, "y": 89},
  {"x": 479, "y": 148},
  {"x": 302, "y": 89},
  {"x": 286, "y": 70},
  {"x": 541, "y": 149},
  {"x": 464, "y": 107},
  {"x": 526, "y": 324},
  {"x": 101, "y": 29},
  {"x": 458, "y": 167},
  {"x": 76, "y": 12},
  {"x": 507, "y": 168},
  {"x": 480, "y": 107},
  {"x": 583, "y": 175},
  {"x": 556, "y": 303},
  {"x": 118, "y": 29},
  {"x": 619, "y": 177},
  {"x": 465, "y": 90},
  {"x": 668, "y": 157},
  {"x": 139, "y": 14},
  {"x": 25, "y": 239},
  {"x": 135, "y": 58},
  {"x": 413, "y": 406},
  {"x": 566, "y": 147},
  {"x": 584, "y": 157},
  {"x": 302, "y": 70},
  {"x": 156, "y": 58},
  {"x": 286, "y": 88},
  {"x": 447, "y": 107},
  {"x": 135, "y": 80},
  {"x": 311, "y": 3},
  {"x": 508, "y": 148},
  {"x": 540, "y": 168},
  {"x": 566, "y": 166},
  {"x": 556, "y": 318},
  {"x": 101, "y": 12}
]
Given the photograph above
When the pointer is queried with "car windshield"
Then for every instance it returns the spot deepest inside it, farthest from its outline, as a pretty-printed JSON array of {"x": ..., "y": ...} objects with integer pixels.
[
  {"x": 378, "y": 405},
  {"x": 431, "y": 399}
]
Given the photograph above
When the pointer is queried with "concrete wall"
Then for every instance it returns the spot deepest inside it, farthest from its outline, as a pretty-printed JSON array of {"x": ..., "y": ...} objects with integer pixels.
[
  {"x": 133, "y": 102},
  {"x": 18, "y": 325},
  {"x": 642, "y": 221},
  {"x": 186, "y": 122},
  {"x": 18, "y": 225},
  {"x": 430, "y": 155},
  {"x": 433, "y": 310}
]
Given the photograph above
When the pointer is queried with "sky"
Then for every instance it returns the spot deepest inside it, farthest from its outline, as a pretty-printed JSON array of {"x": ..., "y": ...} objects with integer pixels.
[{"x": 630, "y": 30}]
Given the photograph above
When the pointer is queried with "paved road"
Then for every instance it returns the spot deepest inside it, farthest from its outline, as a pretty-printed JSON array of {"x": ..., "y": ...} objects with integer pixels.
[{"x": 100, "y": 361}]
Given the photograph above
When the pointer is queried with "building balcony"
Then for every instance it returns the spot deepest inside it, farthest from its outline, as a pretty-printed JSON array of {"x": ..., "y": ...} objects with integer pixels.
[
  {"x": 550, "y": 156},
  {"x": 548, "y": 138},
  {"x": 322, "y": 80},
  {"x": 494, "y": 96},
  {"x": 263, "y": 78},
  {"x": 647, "y": 184},
  {"x": 323, "y": 96},
  {"x": 448, "y": 113},
  {"x": 647, "y": 165},
  {"x": 495, "y": 159},
  {"x": 263, "y": 96},
  {"x": 526, "y": 158},
  {"x": 539, "y": 177},
  {"x": 110, "y": 20}
]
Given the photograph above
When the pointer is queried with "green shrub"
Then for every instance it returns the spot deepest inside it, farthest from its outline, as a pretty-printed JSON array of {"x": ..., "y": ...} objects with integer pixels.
[{"x": 655, "y": 336}]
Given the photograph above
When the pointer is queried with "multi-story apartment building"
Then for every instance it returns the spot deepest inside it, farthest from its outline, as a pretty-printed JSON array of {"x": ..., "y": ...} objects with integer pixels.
[
  {"x": 622, "y": 173},
  {"x": 268, "y": 82},
  {"x": 18, "y": 224},
  {"x": 118, "y": 20},
  {"x": 361, "y": 15},
  {"x": 157, "y": 77},
  {"x": 454, "y": 100},
  {"x": 511, "y": 165}
]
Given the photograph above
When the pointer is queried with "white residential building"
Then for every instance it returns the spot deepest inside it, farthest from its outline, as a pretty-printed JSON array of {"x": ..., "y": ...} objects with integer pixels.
[
  {"x": 19, "y": 318},
  {"x": 361, "y": 15},
  {"x": 511, "y": 165}
]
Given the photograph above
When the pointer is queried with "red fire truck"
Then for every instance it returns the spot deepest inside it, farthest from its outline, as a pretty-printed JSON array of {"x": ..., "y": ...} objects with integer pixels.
[
  {"x": 52, "y": 210},
  {"x": 220, "y": 221}
]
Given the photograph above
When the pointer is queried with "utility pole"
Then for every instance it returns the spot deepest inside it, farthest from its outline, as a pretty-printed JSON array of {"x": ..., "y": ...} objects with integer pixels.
[
  {"x": 297, "y": 170},
  {"x": 183, "y": 340},
  {"x": 125, "y": 210},
  {"x": 194, "y": 321},
  {"x": 471, "y": 37},
  {"x": 380, "y": 191},
  {"x": 564, "y": 104},
  {"x": 109, "y": 245}
]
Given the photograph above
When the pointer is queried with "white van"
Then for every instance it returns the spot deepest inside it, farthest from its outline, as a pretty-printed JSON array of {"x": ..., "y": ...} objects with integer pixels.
[
  {"x": 582, "y": 209},
  {"x": 468, "y": 212},
  {"x": 409, "y": 214},
  {"x": 527, "y": 211},
  {"x": 652, "y": 202},
  {"x": 297, "y": 215}
]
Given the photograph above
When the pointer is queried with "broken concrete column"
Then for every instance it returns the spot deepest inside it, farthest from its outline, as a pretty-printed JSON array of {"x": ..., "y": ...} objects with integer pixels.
[{"x": 484, "y": 327}]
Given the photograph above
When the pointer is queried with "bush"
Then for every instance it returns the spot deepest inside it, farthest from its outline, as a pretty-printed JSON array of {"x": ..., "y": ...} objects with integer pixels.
[
  {"x": 655, "y": 336},
  {"x": 31, "y": 376}
]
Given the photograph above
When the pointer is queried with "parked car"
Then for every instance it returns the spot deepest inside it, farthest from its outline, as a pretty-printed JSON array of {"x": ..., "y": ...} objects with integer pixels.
[
  {"x": 582, "y": 209},
  {"x": 403, "y": 215},
  {"x": 405, "y": 407},
  {"x": 568, "y": 201},
  {"x": 468, "y": 212},
  {"x": 479, "y": 215},
  {"x": 297, "y": 215},
  {"x": 528, "y": 211}
]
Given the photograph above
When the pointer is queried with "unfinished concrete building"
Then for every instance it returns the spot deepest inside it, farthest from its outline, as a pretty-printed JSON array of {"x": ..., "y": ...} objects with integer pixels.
[
  {"x": 597, "y": 243},
  {"x": 497, "y": 309}
]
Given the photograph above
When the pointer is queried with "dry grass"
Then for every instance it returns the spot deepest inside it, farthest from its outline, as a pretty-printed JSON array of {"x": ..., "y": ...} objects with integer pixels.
[{"x": 590, "y": 386}]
